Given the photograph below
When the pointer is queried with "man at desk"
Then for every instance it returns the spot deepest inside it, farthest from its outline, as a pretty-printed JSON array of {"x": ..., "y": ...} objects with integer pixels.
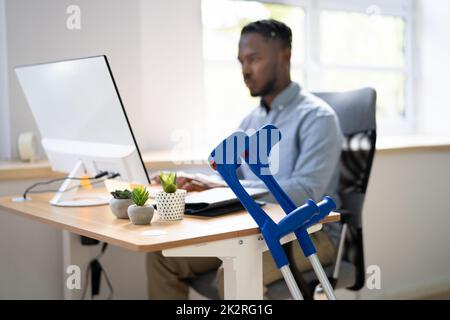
[{"x": 309, "y": 154}]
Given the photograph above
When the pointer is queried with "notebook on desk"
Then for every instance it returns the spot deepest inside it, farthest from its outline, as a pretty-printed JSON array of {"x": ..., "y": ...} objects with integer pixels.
[{"x": 218, "y": 201}]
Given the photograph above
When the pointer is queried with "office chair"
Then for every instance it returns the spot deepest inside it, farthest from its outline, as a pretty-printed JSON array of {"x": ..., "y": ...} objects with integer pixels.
[{"x": 356, "y": 112}]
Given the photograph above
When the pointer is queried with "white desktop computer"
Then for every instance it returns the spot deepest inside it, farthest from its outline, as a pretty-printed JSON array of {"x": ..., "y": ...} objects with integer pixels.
[{"x": 83, "y": 124}]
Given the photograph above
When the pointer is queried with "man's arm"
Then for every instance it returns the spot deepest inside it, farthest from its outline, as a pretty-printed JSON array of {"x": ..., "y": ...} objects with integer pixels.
[{"x": 320, "y": 149}]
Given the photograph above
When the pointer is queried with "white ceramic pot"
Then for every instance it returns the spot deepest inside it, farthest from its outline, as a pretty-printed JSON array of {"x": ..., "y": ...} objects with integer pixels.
[
  {"x": 170, "y": 206},
  {"x": 119, "y": 207},
  {"x": 141, "y": 215}
]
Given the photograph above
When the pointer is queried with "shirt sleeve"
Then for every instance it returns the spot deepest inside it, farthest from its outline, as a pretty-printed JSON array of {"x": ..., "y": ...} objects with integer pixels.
[{"x": 320, "y": 148}]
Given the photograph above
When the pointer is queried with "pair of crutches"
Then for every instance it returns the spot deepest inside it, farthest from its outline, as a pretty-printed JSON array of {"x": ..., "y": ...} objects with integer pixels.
[{"x": 255, "y": 149}]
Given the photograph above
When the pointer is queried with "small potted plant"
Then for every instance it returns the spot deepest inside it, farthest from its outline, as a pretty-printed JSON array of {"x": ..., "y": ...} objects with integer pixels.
[
  {"x": 120, "y": 202},
  {"x": 140, "y": 212},
  {"x": 170, "y": 201}
]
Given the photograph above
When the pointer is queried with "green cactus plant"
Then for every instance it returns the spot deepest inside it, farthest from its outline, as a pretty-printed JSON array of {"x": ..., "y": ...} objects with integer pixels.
[
  {"x": 121, "y": 194},
  {"x": 140, "y": 196},
  {"x": 168, "y": 181}
]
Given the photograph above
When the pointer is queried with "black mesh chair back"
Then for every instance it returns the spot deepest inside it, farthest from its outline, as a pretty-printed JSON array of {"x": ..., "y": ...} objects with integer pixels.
[{"x": 356, "y": 112}]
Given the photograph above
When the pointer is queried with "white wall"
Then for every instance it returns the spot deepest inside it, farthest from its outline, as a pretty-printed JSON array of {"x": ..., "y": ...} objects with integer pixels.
[
  {"x": 154, "y": 48},
  {"x": 31, "y": 264},
  {"x": 172, "y": 68},
  {"x": 37, "y": 32},
  {"x": 405, "y": 224},
  {"x": 5, "y": 140},
  {"x": 433, "y": 23}
]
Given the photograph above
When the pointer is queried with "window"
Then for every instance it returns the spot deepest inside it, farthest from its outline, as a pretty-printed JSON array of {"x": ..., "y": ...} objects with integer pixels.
[
  {"x": 367, "y": 48},
  {"x": 337, "y": 45},
  {"x": 226, "y": 97}
]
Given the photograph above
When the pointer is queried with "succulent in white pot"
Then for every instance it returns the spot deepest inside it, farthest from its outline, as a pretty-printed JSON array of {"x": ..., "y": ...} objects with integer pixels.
[
  {"x": 140, "y": 212},
  {"x": 120, "y": 202},
  {"x": 170, "y": 201}
]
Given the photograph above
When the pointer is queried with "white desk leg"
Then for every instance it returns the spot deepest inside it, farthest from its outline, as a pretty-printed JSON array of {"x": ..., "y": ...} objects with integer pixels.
[
  {"x": 74, "y": 254},
  {"x": 242, "y": 262},
  {"x": 243, "y": 274}
]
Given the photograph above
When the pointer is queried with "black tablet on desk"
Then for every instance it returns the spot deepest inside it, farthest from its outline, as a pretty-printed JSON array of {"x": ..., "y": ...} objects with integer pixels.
[
  {"x": 218, "y": 201},
  {"x": 217, "y": 211}
]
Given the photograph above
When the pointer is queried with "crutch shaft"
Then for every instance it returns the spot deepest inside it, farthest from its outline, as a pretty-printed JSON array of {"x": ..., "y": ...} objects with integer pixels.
[
  {"x": 323, "y": 279},
  {"x": 290, "y": 281}
]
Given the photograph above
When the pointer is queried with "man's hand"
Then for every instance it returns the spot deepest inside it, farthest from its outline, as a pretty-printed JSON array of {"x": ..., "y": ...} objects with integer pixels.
[{"x": 189, "y": 182}]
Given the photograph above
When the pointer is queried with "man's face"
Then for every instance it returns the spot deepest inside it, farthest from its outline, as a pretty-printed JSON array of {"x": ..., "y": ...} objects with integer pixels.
[{"x": 260, "y": 61}]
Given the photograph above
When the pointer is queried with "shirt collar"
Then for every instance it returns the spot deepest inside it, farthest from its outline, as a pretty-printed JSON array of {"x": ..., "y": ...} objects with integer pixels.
[{"x": 283, "y": 98}]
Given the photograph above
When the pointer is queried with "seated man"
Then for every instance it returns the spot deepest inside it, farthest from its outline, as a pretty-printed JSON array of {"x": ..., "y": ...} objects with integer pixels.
[{"x": 309, "y": 154}]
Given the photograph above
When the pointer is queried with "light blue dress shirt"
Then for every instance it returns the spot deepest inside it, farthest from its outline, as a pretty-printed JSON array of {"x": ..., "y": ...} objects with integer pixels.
[{"x": 310, "y": 147}]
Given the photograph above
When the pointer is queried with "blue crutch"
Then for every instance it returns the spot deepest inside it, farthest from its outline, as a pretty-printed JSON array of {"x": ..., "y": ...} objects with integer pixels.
[{"x": 226, "y": 158}]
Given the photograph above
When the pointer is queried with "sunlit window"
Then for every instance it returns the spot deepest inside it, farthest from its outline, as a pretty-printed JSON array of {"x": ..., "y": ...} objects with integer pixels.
[
  {"x": 227, "y": 99},
  {"x": 334, "y": 48},
  {"x": 357, "y": 49}
]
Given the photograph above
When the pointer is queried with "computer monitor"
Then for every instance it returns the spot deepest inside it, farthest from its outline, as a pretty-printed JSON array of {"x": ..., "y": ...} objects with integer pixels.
[{"x": 83, "y": 124}]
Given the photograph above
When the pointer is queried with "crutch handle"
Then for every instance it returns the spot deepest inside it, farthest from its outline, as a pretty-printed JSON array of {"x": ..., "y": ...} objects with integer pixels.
[
  {"x": 325, "y": 207},
  {"x": 298, "y": 218}
]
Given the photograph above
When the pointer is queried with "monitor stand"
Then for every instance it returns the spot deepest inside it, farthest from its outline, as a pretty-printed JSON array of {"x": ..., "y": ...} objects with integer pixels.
[{"x": 67, "y": 195}]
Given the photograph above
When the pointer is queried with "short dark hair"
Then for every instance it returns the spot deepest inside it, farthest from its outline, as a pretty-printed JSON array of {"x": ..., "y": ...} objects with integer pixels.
[{"x": 271, "y": 29}]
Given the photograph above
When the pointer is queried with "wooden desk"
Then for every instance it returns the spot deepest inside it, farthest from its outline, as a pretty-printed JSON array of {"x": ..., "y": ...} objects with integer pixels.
[{"x": 234, "y": 238}]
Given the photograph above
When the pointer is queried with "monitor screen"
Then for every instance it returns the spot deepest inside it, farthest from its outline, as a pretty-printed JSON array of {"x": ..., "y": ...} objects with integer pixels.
[{"x": 80, "y": 115}]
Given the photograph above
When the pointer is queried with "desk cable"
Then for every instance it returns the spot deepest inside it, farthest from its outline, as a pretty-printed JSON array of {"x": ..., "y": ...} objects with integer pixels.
[
  {"x": 110, "y": 175},
  {"x": 96, "y": 270}
]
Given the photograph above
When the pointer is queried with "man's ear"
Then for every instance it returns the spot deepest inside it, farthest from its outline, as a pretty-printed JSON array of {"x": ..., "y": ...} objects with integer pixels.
[{"x": 286, "y": 54}]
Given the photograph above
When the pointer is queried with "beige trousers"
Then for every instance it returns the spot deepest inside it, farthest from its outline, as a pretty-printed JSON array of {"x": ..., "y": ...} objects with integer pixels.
[{"x": 167, "y": 275}]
